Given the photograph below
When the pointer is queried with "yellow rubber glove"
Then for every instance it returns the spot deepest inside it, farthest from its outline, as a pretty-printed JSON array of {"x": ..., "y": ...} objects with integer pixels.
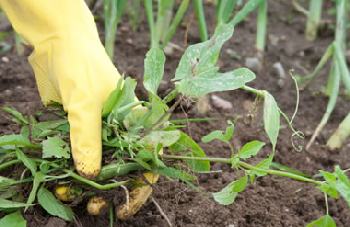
[{"x": 70, "y": 66}]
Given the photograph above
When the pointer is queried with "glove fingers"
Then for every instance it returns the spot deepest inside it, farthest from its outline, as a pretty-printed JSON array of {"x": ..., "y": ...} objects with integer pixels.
[{"x": 85, "y": 135}]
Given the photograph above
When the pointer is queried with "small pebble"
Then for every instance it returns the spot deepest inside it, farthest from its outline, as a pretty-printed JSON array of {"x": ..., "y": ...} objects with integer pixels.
[
  {"x": 221, "y": 103},
  {"x": 280, "y": 72},
  {"x": 5, "y": 59},
  {"x": 253, "y": 63}
]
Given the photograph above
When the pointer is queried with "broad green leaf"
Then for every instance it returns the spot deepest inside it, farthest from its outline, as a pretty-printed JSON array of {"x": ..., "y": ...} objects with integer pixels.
[
  {"x": 187, "y": 144},
  {"x": 144, "y": 155},
  {"x": 324, "y": 221},
  {"x": 220, "y": 135},
  {"x": 15, "y": 140},
  {"x": 343, "y": 184},
  {"x": 6, "y": 204},
  {"x": 55, "y": 147},
  {"x": 29, "y": 163},
  {"x": 229, "y": 193},
  {"x": 271, "y": 118},
  {"x": 54, "y": 207},
  {"x": 13, "y": 220},
  {"x": 154, "y": 69},
  {"x": 209, "y": 82},
  {"x": 38, "y": 178},
  {"x": 17, "y": 116},
  {"x": 201, "y": 58},
  {"x": 166, "y": 138},
  {"x": 176, "y": 174},
  {"x": 250, "y": 149}
]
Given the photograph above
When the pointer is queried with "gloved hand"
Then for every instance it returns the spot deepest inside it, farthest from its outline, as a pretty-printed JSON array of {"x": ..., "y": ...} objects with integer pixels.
[{"x": 70, "y": 66}]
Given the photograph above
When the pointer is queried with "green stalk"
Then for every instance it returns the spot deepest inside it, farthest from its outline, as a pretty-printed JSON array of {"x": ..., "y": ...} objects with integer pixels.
[
  {"x": 113, "y": 11},
  {"x": 224, "y": 10},
  {"x": 247, "y": 167},
  {"x": 202, "y": 25},
  {"x": 334, "y": 83},
  {"x": 340, "y": 135},
  {"x": 304, "y": 81},
  {"x": 110, "y": 14},
  {"x": 150, "y": 19},
  {"x": 261, "y": 26},
  {"x": 340, "y": 46},
  {"x": 176, "y": 21},
  {"x": 164, "y": 15},
  {"x": 313, "y": 19},
  {"x": 9, "y": 163},
  {"x": 85, "y": 180},
  {"x": 93, "y": 183}
]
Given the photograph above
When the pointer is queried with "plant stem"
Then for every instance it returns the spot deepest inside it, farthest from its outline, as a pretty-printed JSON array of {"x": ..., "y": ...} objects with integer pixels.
[
  {"x": 259, "y": 93},
  {"x": 9, "y": 163},
  {"x": 176, "y": 21},
  {"x": 224, "y": 10},
  {"x": 313, "y": 19},
  {"x": 202, "y": 25},
  {"x": 93, "y": 183},
  {"x": 334, "y": 83},
  {"x": 261, "y": 26},
  {"x": 85, "y": 180},
  {"x": 150, "y": 20},
  {"x": 247, "y": 167},
  {"x": 340, "y": 45}
]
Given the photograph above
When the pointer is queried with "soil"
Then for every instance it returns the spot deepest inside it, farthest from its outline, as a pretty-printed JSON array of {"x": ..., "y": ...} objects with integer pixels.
[{"x": 270, "y": 201}]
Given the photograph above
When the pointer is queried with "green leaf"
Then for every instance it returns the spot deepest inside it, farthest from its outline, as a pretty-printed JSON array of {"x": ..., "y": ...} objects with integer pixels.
[
  {"x": 271, "y": 118},
  {"x": 201, "y": 58},
  {"x": 15, "y": 140},
  {"x": 13, "y": 220},
  {"x": 342, "y": 184},
  {"x": 324, "y": 221},
  {"x": 29, "y": 163},
  {"x": 187, "y": 144},
  {"x": 229, "y": 193},
  {"x": 38, "y": 178},
  {"x": 247, "y": 8},
  {"x": 220, "y": 135},
  {"x": 47, "y": 128},
  {"x": 263, "y": 165},
  {"x": 154, "y": 69},
  {"x": 55, "y": 147},
  {"x": 17, "y": 116},
  {"x": 166, "y": 138},
  {"x": 6, "y": 204},
  {"x": 112, "y": 99},
  {"x": 158, "y": 109},
  {"x": 250, "y": 149},
  {"x": 176, "y": 174},
  {"x": 6, "y": 182},
  {"x": 54, "y": 207},
  {"x": 209, "y": 82}
]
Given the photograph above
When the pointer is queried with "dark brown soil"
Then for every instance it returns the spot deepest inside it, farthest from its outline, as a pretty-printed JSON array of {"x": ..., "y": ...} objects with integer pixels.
[{"x": 270, "y": 201}]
